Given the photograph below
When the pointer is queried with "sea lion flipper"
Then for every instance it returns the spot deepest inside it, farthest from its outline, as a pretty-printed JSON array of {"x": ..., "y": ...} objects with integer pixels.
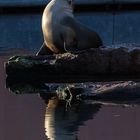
[
  {"x": 70, "y": 39},
  {"x": 86, "y": 37},
  {"x": 44, "y": 50}
]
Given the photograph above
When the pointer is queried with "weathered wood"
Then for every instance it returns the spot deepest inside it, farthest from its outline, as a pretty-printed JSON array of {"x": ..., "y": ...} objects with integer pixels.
[{"x": 121, "y": 62}]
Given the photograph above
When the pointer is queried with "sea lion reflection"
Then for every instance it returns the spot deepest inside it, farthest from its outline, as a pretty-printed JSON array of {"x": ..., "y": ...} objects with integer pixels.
[{"x": 62, "y": 124}]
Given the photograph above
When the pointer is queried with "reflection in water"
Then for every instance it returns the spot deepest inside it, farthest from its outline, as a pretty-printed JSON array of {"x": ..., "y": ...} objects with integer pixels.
[
  {"x": 62, "y": 123},
  {"x": 120, "y": 92},
  {"x": 69, "y": 106}
]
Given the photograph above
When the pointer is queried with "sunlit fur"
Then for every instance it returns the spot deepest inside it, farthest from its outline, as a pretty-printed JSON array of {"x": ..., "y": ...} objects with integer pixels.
[
  {"x": 62, "y": 32},
  {"x": 54, "y": 12}
]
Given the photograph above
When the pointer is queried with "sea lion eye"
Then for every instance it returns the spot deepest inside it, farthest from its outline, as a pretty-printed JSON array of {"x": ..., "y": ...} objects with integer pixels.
[{"x": 70, "y": 2}]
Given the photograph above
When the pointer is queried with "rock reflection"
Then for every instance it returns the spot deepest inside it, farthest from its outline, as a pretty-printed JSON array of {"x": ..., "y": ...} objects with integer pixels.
[{"x": 62, "y": 123}]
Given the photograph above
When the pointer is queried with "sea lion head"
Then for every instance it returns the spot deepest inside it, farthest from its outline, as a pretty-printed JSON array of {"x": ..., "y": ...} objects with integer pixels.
[{"x": 71, "y": 3}]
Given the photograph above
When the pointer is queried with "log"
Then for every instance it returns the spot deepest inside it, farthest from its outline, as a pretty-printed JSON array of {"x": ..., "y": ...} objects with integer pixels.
[{"x": 109, "y": 63}]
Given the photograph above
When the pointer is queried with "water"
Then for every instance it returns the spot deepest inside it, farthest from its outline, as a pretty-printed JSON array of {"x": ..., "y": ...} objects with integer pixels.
[{"x": 38, "y": 116}]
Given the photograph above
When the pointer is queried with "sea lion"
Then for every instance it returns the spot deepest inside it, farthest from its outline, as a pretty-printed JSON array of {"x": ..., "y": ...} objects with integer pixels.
[{"x": 62, "y": 32}]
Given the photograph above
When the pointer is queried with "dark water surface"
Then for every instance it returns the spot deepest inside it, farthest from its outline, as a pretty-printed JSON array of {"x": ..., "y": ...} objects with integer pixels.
[
  {"x": 38, "y": 117},
  {"x": 21, "y": 117}
]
